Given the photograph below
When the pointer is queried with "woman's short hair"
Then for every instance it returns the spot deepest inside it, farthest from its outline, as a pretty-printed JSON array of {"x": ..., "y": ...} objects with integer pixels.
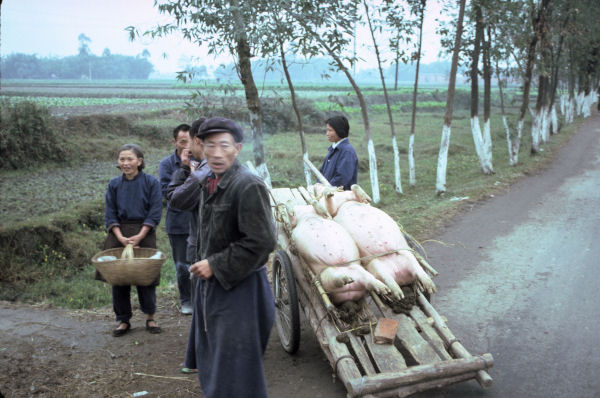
[{"x": 340, "y": 125}]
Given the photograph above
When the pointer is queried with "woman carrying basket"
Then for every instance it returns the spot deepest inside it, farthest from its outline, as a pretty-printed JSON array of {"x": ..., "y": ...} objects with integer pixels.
[{"x": 133, "y": 211}]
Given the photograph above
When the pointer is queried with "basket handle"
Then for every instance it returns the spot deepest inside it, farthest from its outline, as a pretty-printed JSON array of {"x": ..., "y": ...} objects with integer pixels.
[{"x": 127, "y": 252}]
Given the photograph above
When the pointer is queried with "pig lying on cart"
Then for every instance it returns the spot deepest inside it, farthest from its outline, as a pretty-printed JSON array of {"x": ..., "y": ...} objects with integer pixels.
[
  {"x": 354, "y": 247},
  {"x": 335, "y": 247}
]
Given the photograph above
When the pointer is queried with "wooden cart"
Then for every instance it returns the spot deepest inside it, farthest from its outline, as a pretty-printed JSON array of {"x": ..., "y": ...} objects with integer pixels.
[{"x": 424, "y": 355}]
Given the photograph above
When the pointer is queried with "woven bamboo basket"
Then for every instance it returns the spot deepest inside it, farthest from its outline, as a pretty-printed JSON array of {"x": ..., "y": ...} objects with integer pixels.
[{"x": 132, "y": 266}]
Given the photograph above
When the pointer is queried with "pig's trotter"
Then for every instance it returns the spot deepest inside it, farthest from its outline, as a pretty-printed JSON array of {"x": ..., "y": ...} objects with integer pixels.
[
  {"x": 379, "y": 288},
  {"x": 360, "y": 193},
  {"x": 427, "y": 283}
]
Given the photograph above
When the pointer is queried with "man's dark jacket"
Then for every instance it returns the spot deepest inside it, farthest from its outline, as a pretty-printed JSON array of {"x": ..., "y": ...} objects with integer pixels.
[{"x": 237, "y": 231}]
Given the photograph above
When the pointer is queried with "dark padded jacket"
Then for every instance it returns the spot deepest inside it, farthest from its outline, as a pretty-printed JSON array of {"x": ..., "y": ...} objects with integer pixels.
[{"x": 237, "y": 232}]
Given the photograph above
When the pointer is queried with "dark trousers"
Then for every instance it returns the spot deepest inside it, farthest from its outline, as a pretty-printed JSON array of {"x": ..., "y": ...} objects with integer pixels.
[
  {"x": 122, "y": 301},
  {"x": 229, "y": 334},
  {"x": 179, "y": 252}
]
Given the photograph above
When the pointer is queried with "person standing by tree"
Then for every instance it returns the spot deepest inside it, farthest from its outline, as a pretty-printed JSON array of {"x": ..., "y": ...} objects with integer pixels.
[
  {"x": 133, "y": 211},
  {"x": 234, "y": 307},
  {"x": 340, "y": 166},
  {"x": 177, "y": 222}
]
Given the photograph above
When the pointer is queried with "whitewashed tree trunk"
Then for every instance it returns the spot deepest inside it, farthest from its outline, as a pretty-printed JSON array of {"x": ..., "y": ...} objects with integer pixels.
[
  {"x": 563, "y": 105},
  {"x": 398, "y": 179},
  {"x": 545, "y": 124},
  {"x": 487, "y": 142},
  {"x": 588, "y": 101},
  {"x": 263, "y": 172},
  {"x": 554, "y": 120},
  {"x": 442, "y": 165},
  {"x": 536, "y": 126},
  {"x": 516, "y": 144},
  {"x": 480, "y": 146},
  {"x": 373, "y": 171},
  {"x": 512, "y": 159},
  {"x": 570, "y": 111},
  {"x": 411, "y": 160},
  {"x": 579, "y": 103},
  {"x": 307, "y": 173}
]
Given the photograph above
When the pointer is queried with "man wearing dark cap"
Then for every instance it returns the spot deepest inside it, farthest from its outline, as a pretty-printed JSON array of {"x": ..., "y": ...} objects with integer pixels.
[
  {"x": 340, "y": 166},
  {"x": 233, "y": 304}
]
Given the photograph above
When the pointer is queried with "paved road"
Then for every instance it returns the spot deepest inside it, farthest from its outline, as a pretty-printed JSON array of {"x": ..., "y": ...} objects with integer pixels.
[{"x": 520, "y": 279}]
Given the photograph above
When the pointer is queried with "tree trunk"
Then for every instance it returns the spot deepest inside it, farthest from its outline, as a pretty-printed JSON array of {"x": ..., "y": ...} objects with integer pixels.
[
  {"x": 252, "y": 100},
  {"x": 307, "y": 173},
  {"x": 539, "y": 126},
  {"x": 511, "y": 158},
  {"x": 397, "y": 175},
  {"x": 487, "y": 98},
  {"x": 397, "y": 62},
  {"x": 478, "y": 140},
  {"x": 554, "y": 79},
  {"x": 529, "y": 69},
  {"x": 447, "y": 128},
  {"x": 411, "y": 143}
]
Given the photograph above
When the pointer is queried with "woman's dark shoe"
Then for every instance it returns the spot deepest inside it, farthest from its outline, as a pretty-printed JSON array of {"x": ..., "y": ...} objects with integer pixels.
[
  {"x": 152, "y": 329},
  {"x": 121, "y": 332}
]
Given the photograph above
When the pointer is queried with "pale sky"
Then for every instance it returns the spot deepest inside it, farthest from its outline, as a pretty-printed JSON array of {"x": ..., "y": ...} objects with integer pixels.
[{"x": 51, "y": 28}]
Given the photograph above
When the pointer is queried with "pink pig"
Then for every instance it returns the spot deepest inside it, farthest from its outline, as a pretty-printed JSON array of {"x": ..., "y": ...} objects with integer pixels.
[
  {"x": 375, "y": 233},
  {"x": 331, "y": 253}
]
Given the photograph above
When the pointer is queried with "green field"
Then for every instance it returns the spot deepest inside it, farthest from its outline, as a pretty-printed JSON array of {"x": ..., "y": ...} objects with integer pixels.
[{"x": 51, "y": 216}]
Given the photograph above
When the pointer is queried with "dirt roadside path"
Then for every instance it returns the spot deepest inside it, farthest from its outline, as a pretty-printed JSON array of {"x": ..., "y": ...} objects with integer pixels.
[{"x": 57, "y": 353}]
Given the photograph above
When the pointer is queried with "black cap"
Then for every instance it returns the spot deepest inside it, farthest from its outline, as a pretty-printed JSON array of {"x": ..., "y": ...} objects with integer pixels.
[{"x": 220, "y": 125}]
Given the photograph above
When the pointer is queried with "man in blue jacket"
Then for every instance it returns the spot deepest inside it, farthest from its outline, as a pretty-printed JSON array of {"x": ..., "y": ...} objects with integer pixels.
[
  {"x": 340, "y": 166},
  {"x": 177, "y": 223}
]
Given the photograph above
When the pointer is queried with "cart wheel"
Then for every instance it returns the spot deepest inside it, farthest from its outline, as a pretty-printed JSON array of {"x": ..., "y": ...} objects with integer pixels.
[{"x": 287, "y": 318}]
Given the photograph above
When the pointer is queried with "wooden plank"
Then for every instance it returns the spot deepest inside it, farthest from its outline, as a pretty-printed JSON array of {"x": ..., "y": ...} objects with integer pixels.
[
  {"x": 429, "y": 332},
  {"x": 386, "y": 356},
  {"x": 361, "y": 354},
  {"x": 419, "y": 348},
  {"x": 419, "y": 374},
  {"x": 406, "y": 391}
]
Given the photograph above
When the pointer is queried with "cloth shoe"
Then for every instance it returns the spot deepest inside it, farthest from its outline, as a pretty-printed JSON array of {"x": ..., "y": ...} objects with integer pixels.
[{"x": 186, "y": 309}]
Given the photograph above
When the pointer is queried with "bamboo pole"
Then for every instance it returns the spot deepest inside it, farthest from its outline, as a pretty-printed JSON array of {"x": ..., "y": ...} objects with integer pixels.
[
  {"x": 316, "y": 172},
  {"x": 425, "y": 264},
  {"x": 483, "y": 378}
]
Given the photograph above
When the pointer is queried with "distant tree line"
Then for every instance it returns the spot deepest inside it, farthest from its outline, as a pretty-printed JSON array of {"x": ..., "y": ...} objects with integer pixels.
[
  {"x": 83, "y": 65},
  {"x": 314, "y": 69}
]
